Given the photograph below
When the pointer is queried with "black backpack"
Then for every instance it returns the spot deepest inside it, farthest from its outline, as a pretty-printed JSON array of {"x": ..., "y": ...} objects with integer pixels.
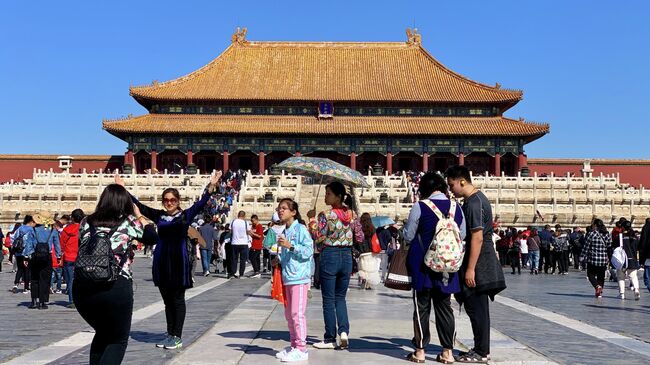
[
  {"x": 42, "y": 249},
  {"x": 96, "y": 260},
  {"x": 19, "y": 245}
]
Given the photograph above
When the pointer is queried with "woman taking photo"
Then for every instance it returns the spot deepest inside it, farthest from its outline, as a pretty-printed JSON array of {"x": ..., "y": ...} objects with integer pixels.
[
  {"x": 172, "y": 269},
  {"x": 429, "y": 286},
  {"x": 335, "y": 235},
  {"x": 595, "y": 254},
  {"x": 108, "y": 306}
]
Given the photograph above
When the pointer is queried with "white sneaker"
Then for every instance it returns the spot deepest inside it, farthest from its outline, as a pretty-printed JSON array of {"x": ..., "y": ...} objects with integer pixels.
[
  {"x": 344, "y": 340},
  {"x": 280, "y": 355},
  {"x": 295, "y": 355},
  {"x": 325, "y": 345},
  {"x": 621, "y": 296}
]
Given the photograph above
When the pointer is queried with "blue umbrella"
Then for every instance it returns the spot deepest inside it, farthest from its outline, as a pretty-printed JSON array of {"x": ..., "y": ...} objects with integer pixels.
[{"x": 382, "y": 220}]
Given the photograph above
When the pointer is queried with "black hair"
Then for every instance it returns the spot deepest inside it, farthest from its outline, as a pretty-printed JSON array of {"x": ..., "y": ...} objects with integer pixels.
[
  {"x": 366, "y": 225},
  {"x": 254, "y": 216},
  {"x": 16, "y": 226},
  {"x": 293, "y": 206},
  {"x": 338, "y": 189},
  {"x": 113, "y": 206},
  {"x": 458, "y": 172},
  {"x": 241, "y": 214},
  {"x": 28, "y": 219},
  {"x": 600, "y": 226},
  {"x": 430, "y": 182},
  {"x": 77, "y": 215},
  {"x": 627, "y": 229}
]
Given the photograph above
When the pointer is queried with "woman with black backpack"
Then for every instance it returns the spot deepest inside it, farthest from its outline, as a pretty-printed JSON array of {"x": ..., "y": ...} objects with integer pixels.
[
  {"x": 172, "y": 266},
  {"x": 106, "y": 301}
]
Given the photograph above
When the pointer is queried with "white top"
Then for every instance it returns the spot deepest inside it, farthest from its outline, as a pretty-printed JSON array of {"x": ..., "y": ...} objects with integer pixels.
[
  {"x": 239, "y": 229},
  {"x": 524, "y": 245}
]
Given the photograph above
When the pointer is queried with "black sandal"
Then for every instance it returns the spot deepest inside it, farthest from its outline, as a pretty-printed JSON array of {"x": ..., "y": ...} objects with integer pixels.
[
  {"x": 411, "y": 357},
  {"x": 471, "y": 357}
]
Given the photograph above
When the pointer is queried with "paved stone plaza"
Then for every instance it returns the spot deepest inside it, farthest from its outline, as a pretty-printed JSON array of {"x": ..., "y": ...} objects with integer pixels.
[{"x": 539, "y": 320}]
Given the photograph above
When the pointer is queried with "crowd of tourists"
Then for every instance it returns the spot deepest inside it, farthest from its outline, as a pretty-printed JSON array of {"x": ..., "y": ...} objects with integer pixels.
[
  {"x": 322, "y": 252},
  {"x": 617, "y": 254}
]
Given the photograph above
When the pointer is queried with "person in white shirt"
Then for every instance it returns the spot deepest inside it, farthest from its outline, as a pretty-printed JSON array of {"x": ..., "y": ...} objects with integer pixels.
[{"x": 240, "y": 241}]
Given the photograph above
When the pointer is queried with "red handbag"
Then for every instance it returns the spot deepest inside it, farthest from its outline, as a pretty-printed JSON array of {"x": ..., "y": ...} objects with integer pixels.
[
  {"x": 277, "y": 289},
  {"x": 374, "y": 242}
]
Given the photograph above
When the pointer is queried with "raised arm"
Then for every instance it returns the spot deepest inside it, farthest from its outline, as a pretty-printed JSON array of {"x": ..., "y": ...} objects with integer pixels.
[{"x": 192, "y": 211}]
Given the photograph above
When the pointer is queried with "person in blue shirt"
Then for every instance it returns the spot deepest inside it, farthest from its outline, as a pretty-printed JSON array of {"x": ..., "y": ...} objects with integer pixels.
[
  {"x": 22, "y": 272},
  {"x": 38, "y": 249}
]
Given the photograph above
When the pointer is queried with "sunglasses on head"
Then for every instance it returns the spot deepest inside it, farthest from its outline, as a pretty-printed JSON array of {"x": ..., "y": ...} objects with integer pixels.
[{"x": 172, "y": 201}]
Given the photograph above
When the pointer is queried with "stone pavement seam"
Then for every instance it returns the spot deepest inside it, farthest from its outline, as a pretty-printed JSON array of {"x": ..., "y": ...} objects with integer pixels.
[
  {"x": 54, "y": 351},
  {"x": 213, "y": 346},
  {"x": 632, "y": 344}
]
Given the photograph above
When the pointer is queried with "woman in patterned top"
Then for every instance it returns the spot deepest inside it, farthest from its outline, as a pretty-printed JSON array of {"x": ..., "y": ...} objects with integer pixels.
[
  {"x": 108, "y": 307},
  {"x": 595, "y": 254},
  {"x": 335, "y": 235},
  {"x": 172, "y": 266}
]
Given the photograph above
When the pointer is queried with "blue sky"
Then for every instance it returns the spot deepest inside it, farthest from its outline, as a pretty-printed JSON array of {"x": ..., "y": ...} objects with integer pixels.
[{"x": 583, "y": 65}]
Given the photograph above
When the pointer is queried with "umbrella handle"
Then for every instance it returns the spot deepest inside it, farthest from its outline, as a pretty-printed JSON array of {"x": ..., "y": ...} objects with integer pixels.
[{"x": 318, "y": 193}]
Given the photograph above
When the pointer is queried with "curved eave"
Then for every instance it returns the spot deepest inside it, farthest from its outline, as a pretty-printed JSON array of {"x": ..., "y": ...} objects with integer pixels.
[{"x": 460, "y": 88}]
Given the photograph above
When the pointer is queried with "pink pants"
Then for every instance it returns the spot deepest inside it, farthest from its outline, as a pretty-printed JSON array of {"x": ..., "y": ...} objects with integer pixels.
[{"x": 294, "y": 312}]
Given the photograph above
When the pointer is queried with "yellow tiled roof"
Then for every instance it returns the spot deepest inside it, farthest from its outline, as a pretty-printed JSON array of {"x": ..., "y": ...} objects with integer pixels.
[
  {"x": 325, "y": 71},
  {"x": 277, "y": 124}
]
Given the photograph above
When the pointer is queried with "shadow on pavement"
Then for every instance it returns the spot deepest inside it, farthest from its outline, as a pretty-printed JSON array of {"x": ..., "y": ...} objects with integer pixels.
[{"x": 147, "y": 337}]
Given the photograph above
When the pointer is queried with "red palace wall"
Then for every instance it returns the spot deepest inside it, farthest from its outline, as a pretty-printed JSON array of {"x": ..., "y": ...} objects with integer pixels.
[
  {"x": 633, "y": 172},
  {"x": 19, "y": 167}
]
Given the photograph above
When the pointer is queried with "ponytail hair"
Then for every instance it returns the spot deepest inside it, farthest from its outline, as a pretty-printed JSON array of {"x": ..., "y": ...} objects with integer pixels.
[{"x": 339, "y": 190}]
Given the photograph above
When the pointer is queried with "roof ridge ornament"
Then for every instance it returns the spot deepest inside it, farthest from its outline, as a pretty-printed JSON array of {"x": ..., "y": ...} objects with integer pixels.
[
  {"x": 240, "y": 35},
  {"x": 413, "y": 37}
]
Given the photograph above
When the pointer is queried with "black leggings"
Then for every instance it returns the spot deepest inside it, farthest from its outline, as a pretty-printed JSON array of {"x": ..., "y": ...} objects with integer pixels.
[
  {"x": 41, "y": 275},
  {"x": 108, "y": 309},
  {"x": 596, "y": 275},
  {"x": 174, "y": 299},
  {"x": 22, "y": 272}
]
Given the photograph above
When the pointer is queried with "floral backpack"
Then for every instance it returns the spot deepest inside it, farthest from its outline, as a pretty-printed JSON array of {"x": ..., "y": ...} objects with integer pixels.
[{"x": 446, "y": 251}]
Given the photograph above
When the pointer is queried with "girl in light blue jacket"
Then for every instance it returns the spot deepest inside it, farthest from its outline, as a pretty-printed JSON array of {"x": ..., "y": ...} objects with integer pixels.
[{"x": 296, "y": 252}]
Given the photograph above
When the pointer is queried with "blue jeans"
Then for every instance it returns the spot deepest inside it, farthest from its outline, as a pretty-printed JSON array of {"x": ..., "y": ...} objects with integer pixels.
[
  {"x": 56, "y": 278},
  {"x": 205, "y": 259},
  {"x": 646, "y": 276},
  {"x": 335, "y": 270},
  {"x": 533, "y": 256},
  {"x": 68, "y": 275}
]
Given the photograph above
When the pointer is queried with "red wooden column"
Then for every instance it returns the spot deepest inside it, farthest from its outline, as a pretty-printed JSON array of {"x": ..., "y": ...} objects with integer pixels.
[
  {"x": 353, "y": 161},
  {"x": 154, "y": 159},
  {"x": 497, "y": 164},
  {"x": 389, "y": 162},
  {"x": 225, "y": 161},
  {"x": 461, "y": 159},
  {"x": 190, "y": 157},
  {"x": 521, "y": 161},
  {"x": 425, "y": 162},
  {"x": 262, "y": 158}
]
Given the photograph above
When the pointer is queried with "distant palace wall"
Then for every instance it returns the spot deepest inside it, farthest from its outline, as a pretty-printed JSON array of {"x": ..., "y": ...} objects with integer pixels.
[
  {"x": 20, "y": 167},
  {"x": 633, "y": 172}
]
